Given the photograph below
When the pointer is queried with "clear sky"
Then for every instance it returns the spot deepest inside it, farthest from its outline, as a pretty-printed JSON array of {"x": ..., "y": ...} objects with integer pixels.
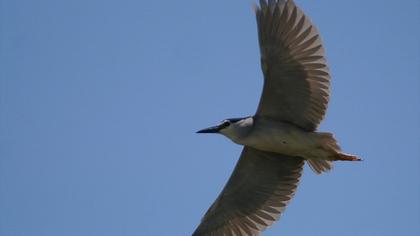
[{"x": 100, "y": 101}]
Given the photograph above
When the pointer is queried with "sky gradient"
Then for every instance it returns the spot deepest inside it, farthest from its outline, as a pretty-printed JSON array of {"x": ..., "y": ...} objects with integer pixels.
[{"x": 100, "y": 101}]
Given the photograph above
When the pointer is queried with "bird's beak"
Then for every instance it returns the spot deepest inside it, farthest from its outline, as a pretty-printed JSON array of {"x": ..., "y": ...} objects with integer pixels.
[{"x": 213, "y": 129}]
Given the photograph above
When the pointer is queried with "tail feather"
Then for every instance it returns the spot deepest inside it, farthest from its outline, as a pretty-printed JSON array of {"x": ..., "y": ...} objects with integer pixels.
[
  {"x": 320, "y": 159},
  {"x": 329, "y": 141},
  {"x": 320, "y": 166}
]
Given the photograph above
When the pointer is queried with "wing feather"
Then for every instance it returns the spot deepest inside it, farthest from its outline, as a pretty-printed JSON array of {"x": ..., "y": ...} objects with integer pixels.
[
  {"x": 256, "y": 194},
  {"x": 296, "y": 75}
]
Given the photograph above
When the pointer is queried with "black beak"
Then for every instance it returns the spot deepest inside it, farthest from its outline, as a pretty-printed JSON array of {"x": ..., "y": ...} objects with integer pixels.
[{"x": 214, "y": 129}]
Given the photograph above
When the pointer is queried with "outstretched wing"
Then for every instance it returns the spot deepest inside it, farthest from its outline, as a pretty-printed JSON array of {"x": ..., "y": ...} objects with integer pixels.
[
  {"x": 254, "y": 197},
  {"x": 296, "y": 76}
]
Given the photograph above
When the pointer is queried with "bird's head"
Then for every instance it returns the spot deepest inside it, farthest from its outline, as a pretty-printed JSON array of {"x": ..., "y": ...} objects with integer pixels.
[{"x": 233, "y": 128}]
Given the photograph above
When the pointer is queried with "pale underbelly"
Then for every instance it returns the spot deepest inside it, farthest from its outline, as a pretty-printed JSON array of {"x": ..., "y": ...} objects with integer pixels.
[{"x": 288, "y": 143}]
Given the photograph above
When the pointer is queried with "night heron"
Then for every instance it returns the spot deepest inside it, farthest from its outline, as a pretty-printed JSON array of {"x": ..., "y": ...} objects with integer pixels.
[{"x": 282, "y": 135}]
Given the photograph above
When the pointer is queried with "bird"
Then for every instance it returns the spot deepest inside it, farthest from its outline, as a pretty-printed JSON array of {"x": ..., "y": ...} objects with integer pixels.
[{"x": 282, "y": 135}]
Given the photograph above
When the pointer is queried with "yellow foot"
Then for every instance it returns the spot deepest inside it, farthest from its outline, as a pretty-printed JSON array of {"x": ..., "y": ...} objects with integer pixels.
[{"x": 346, "y": 157}]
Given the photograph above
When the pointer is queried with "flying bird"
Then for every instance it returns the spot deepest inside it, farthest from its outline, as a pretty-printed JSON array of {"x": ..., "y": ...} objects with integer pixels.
[{"x": 282, "y": 135}]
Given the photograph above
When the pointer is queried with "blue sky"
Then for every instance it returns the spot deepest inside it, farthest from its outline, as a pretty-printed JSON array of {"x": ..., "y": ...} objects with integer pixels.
[{"x": 100, "y": 101}]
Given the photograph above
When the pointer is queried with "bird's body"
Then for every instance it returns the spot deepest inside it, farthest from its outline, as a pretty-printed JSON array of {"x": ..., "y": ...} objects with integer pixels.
[
  {"x": 282, "y": 134},
  {"x": 281, "y": 137}
]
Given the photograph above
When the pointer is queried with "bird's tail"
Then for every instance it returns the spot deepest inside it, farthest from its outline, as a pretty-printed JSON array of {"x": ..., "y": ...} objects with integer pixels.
[
  {"x": 320, "y": 162},
  {"x": 331, "y": 151},
  {"x": 319, "y": 166}
]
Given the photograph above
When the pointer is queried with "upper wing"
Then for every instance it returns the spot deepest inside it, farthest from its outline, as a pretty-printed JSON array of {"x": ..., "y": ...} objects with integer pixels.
[
  {"x": 297, "y": 80},
  {"x": 254, "y": 197}
]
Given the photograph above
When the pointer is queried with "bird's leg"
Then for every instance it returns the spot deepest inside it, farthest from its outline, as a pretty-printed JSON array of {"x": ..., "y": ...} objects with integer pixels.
[{"x": 346, "y": 157}]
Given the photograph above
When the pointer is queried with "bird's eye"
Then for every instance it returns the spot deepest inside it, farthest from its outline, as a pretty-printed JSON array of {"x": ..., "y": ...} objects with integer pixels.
[{"x": 226, "y": 124}]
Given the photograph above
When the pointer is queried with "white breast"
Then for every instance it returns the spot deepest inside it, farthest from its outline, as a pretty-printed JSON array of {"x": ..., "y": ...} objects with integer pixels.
[{"x": 280, "y": 138}]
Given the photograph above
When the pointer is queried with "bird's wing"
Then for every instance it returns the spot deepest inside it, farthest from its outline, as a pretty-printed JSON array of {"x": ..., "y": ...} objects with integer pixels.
[
  {"x": 254, "y": 197},
  {"x": 296, "y": 76}
]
